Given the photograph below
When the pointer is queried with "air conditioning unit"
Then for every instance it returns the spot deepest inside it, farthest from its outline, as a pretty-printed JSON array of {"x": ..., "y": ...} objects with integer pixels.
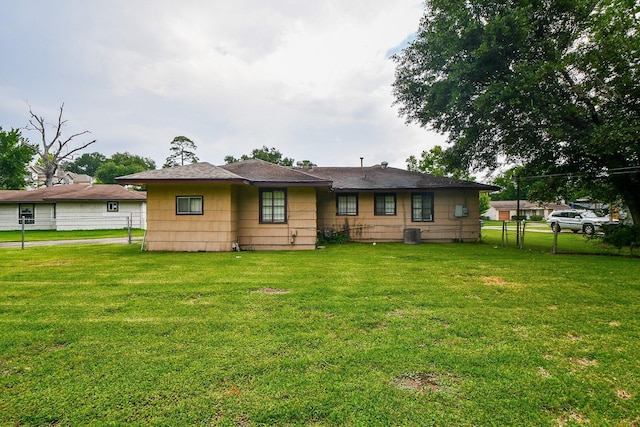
[{"x": 411, "y": 236}]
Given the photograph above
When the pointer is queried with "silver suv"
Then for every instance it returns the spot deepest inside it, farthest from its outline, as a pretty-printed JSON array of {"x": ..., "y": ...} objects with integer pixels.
[{"x": 586, "y": 221}]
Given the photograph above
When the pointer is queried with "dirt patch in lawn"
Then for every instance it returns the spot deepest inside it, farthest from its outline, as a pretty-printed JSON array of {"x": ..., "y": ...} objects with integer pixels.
[
  {"x": 493, "y": 281},
  {"x": 418, "y": 381}
]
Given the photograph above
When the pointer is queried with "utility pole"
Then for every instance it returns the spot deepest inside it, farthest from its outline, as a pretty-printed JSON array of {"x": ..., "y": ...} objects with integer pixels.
[{"x": 518, "y": 209}]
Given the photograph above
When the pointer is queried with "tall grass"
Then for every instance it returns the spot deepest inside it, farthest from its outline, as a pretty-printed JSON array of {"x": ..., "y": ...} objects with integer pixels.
[{"x": 446, "y": 334}]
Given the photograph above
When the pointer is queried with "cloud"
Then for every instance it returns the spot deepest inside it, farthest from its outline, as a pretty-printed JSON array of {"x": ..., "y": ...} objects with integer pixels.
[{"x": 312, "y": 79}]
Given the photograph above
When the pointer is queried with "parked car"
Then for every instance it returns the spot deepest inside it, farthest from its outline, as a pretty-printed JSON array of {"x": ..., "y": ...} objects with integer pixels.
[{"x": 586, "y": 221}]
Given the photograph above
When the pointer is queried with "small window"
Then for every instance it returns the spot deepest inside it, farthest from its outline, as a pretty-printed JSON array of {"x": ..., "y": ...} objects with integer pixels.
[
  {"x": 273, "y": 205},
  {"x": 112, "y": 207},
  {"x": 385, "y": 204},
  {"x": 189, "y": 205},
  {"x": 422, "y": 207},
  {"x": 26, "y": 212},
  {"x": 347, "y": 204}
]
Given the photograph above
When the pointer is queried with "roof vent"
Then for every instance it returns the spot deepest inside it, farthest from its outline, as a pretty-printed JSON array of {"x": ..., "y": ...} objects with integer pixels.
[{"x": 384, "y": 165}]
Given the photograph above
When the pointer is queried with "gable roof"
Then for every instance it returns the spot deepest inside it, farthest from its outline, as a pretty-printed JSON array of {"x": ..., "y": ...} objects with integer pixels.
[
  {"x": 382, "y": 178},
  {"x": 72, "y": 192}
]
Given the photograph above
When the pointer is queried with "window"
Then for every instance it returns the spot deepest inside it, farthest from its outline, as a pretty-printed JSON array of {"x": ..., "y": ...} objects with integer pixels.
[
  {"x": 385, "y": 204},
  {"x": 347, "y": 204},
  {"x": 189, "y": 205},
  {"x": 112, "y": 206},
  {"x": 26, "y": 211},
  {"x": 273, "y": 205},
  {"x": 422, "y": 207}
]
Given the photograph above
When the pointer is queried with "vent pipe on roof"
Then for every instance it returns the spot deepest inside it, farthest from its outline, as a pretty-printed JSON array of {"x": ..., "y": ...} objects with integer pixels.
[
  {"x": 384, "y": 165},
  {"x": 361, "y": 162}
]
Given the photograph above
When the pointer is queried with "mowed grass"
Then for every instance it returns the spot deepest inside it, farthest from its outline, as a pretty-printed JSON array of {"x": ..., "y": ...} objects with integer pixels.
[
  {"x": 40, "y": 235},
  {"x": 355, "y": 335}
]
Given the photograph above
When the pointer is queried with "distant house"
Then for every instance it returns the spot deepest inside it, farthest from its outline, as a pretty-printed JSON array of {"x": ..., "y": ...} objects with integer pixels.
[
  {"x": 253, "y": 205},
  {"x": 61, "y": 177},
  {"x": 505, "y": 210},
  {"x": 72, "y": 207}
]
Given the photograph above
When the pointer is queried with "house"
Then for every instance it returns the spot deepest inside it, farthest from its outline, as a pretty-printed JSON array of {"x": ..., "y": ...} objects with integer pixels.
[
  {"x": 72, "y": 207},
  {"x": 505, "y": 210},
  {"x": 38, "y": 177},
  {"x": 256, "y": 205}
]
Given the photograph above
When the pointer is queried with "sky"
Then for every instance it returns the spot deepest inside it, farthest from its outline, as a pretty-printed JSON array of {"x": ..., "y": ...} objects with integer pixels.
[{"x": 311, "y": 79}]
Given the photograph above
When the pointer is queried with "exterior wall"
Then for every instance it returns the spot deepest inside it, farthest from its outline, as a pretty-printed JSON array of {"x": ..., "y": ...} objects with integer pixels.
[
  {"x": 168, "y": 231},
  {"x": 367, "y": 227},
  {"x": 44, "y": 217},
  {"x": 94, "y": 215},
  {"x": 299, "y": 232}
]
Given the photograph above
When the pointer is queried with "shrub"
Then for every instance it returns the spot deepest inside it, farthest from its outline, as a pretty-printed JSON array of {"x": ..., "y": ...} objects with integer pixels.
[
  {"x": 330, "y": 236},
  {"x": 536, "y": 218},
  {"x": 621, "y": 235}
]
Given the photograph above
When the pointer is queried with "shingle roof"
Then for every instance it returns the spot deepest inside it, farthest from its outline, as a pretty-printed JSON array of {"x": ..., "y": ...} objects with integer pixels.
[
  {"x": 196, "y": 172},
  {"x": 72, "y": 192},
  {"x": 378, "y": 178},
  {"x": 260, "y": 172}
]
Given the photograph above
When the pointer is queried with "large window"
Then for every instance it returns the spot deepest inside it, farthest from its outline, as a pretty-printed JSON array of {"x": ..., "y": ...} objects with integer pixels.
[
  {"x": 189, "y": 205},
  {"x": 273, "y": 205},
  {"x": 26, "y": 211},
  {"x": 385, "y": 204},
  {"x": 422, "y": 207},
  {"x": 347, "y": 204}
]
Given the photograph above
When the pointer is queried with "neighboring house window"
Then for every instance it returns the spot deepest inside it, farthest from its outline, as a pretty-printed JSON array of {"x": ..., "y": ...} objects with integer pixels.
[
  {"x": 112, "y": 206},
  {"x": 189, "y": 205},
  {"x": 273, "y": 205},
  {"x": 26, "y": 211},
  {"x": 422, "y": 207},
  {"x": 385, "y": 204},
  {"x": 347, "y": 204}
]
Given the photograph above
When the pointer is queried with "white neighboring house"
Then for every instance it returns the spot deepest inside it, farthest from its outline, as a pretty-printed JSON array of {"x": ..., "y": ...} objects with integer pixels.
[
  {"x": 504, "y": 210},
  {"x": 73, "y": 207}
]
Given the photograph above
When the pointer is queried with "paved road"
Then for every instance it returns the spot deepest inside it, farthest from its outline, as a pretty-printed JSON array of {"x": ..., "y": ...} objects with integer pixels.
[{"x": 111, "y": 240}]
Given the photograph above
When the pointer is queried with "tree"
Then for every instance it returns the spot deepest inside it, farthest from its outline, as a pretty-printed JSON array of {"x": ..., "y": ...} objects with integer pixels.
[
  {"x": 433, "y": 162},
  {"x": 265, "y": 153},
  {"x": 549, "y": 85},
  {"x": 86, "y": 164},
  {"x": 15, "y": 155},
  {"x": 55, "y": 149},
  {"x": 122, "y": 164},
  {"x": 183, "y": 151}
]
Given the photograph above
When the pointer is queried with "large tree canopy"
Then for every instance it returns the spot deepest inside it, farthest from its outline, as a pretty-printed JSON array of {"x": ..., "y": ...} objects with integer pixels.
[
  {"x": 121, "y": 164},
  {"x": 551, "y": 85},
  {"x": 265, "y": 153},
  {"x": 15, "y": 155}
]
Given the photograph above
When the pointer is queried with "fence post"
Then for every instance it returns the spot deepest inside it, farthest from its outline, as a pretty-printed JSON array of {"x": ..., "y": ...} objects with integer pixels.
[
  {"x": 555, "y": 240},
  {"x": 23, "y": 220},
  {"x": 129, "y": 222}
]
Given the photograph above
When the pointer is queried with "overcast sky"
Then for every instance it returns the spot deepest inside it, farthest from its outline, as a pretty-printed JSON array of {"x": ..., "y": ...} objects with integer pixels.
[{"x": 312, "y": 79}]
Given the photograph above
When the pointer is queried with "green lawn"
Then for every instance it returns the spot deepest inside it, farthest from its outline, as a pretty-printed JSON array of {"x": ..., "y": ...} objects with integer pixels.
[
  {"x": 356, "y": 335},
  {"x": 39, "y": 235}
]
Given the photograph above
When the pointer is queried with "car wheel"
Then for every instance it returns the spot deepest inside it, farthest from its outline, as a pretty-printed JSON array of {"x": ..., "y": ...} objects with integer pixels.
[{"x": 588, "y": 229}]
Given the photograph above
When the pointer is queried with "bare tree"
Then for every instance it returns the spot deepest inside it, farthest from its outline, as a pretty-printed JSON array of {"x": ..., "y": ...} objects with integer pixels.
[{"x": 54, "y": 149}]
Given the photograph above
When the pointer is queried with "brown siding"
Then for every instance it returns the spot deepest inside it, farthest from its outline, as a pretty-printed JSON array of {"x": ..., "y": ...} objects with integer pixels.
[
  {"x": 299, "y": 232},
  {"x": 167, "y": 231},
  {"x": 369, "y": 227}
]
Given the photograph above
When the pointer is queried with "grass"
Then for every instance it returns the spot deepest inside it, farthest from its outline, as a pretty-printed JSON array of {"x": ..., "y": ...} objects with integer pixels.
[
  {"x": 40, "y": 235},
  {"x": 392, "y": 334}
]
